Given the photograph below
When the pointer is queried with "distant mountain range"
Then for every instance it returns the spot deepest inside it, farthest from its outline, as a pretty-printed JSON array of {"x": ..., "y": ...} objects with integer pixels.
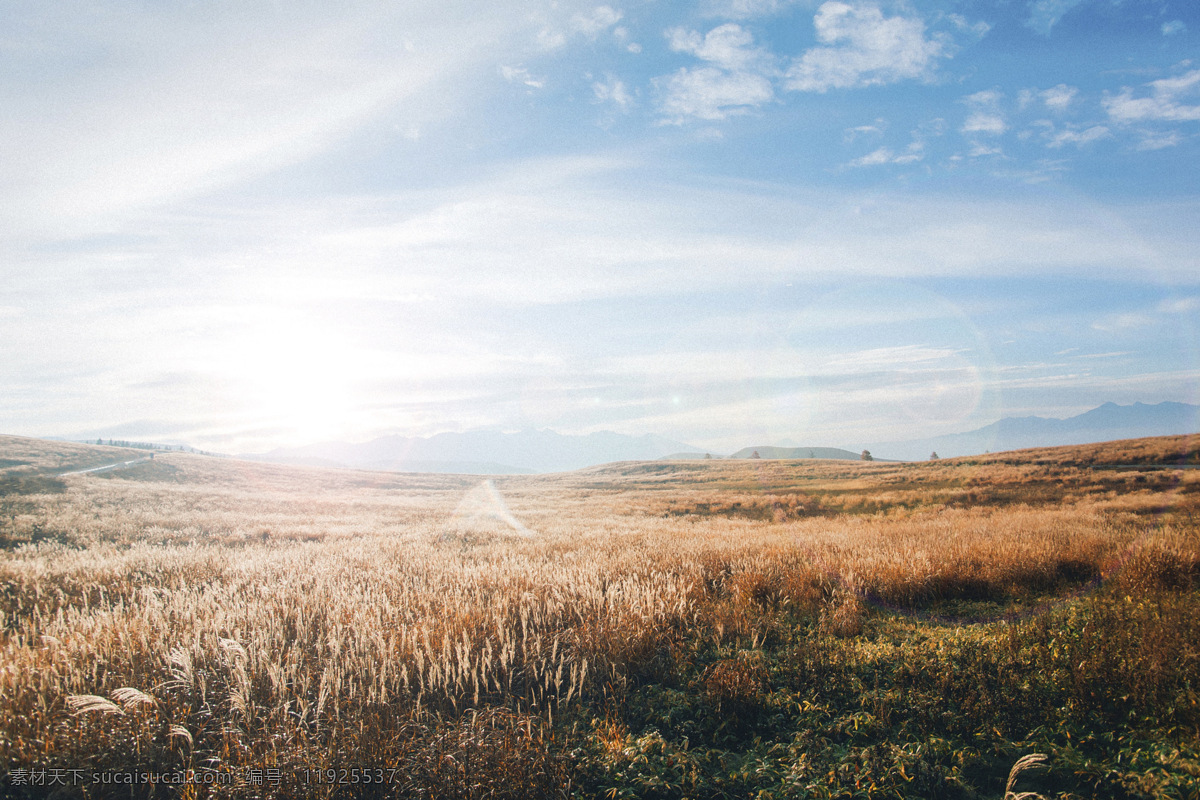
[
  {"x": 1104, "y": 423},
  {"x": 532, "y": 451},
  {"x": 481, "y": 452}
]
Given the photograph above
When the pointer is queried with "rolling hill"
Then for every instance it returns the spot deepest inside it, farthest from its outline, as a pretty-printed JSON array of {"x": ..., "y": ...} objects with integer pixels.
[{"x": 795, "y": 452}]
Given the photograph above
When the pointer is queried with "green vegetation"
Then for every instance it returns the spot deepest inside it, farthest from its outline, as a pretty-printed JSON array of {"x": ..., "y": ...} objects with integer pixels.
[{"x": 700, "y": 629}]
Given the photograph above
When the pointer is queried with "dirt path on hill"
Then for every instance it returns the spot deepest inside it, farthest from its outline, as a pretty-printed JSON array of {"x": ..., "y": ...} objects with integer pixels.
[{"x": 105, "y": 468}]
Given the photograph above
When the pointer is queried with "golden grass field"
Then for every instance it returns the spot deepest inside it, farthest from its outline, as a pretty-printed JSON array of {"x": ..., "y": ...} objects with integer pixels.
[{"x": 748, "y": 629}]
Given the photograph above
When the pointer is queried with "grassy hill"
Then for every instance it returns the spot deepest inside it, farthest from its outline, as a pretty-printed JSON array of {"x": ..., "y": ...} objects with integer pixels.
[{"x": 721, "y": 628}]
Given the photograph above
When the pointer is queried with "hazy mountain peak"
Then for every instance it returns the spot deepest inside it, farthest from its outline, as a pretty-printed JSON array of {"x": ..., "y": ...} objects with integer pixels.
[{"x": 1106, "y": 422}]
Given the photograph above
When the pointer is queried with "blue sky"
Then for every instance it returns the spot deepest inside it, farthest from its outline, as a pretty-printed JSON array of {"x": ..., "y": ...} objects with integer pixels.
[{"x": 242, "y": 225}]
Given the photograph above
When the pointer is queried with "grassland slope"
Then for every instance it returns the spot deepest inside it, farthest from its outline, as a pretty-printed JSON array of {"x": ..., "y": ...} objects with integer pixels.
[{"x": 762, "y": 628}]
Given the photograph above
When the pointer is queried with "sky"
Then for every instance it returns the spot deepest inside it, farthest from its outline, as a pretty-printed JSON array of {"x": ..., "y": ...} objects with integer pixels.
[{"x": 243, "y": 225}]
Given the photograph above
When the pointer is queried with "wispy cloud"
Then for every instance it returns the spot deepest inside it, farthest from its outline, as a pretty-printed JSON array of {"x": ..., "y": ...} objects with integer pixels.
[
  {"x": 1165, "y": 102},
  {"x": 612, "y": 90},
  {"x": 1045, "y": 14},
  {"x": 879, "y": 358},
  {"x": 622, "y": 36},
  {"x": 885, "y": 155},
  {"x": 1180, "y": 305},
  {"x": 506, "y": 239},
  {"x": 851, "y": 134},
  {"x": 1158, "y": 140},
  {"x": 172, "y": 102},
  {"x": 522, "y": 76},
  {"x": 1126, "y": 321},
  {"x": 1079, "y": 138},
  {"x": 1138, "y": 386},
  {"x": 744, "y": 9},
  {"x": 1114, "y": 354},
  {"x": 557, "y": 30},
  {"x": 914, "y": 152}
]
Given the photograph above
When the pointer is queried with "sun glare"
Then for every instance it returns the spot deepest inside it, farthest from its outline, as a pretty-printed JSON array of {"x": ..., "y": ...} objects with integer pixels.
[{"x": 293, "y": 377}]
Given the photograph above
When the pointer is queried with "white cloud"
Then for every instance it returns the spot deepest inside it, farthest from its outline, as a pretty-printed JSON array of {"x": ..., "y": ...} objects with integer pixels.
[
  {"x": 930, "y": 128},
  {"x": 976, "y": 30},
  {"x": 881, "y": 156},
  {"x": 1173, "y": 27},
  {"x": 850, "y": 134},
  {"x": 521, "y": 75},
  {"x": 549, "y": 39},
  {"x": 988, "y": 98},
  {"x": 599, "y": 20},
  {"x": 1152, "y": 140},
  {"x": 1044, "y": 14},
  {"x": 1180, "y": 305},
  {"x": 712, "y": 94},
  {"x": 1059, "y": 97},
  {"x": 884, "y": 155},
  {"x": 621, "y": 34},
  {"x": 985, "y": 116},
  {"x": 1162, "y": 105},
  {"x": 728, "y": 46},
  {"x": 1078, "y": 138},
  {"x": 913, "y": 153},
  {"x": 863, "y": 48},
  {"x": 736, "y": 83},
  {"x": 614, "y": 91},
  {"x": 986, "y": 123},
  {"x": 979, "y": 150}
]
